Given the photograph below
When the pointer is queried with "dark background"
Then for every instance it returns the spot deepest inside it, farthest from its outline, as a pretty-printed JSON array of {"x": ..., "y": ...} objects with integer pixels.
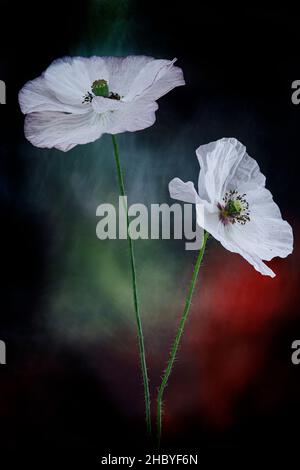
[{"x": 239, "y": 63}]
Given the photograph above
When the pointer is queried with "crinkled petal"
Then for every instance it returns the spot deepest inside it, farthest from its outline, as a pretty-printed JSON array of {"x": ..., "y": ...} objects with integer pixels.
[
  {"x": 97, "y": 69},
  {"x": 246, "y": 174},
  {"x": 168, "y": 79},
  {"x": 102, "y": 105},
  {"x": 156, "y": 78},
  {"x": 218, "y": 162},
  {"x": 36, "y": 96},
  {"x": 266, "y": 234},
  {"x": 266, "y": 237},
  {"x": 232, "y": 241},
  {"x": 263, "y": 239},
  {"x": 225, "y": 165},
  {"x": 132, "y": 117},
  {"x": 261, "y": 201},
  {"x": 70, "y": 78},
  {"x": 122, "y": 71},
  {"x": 63, "y": 131},
  {"x": 182, "y": 191}
]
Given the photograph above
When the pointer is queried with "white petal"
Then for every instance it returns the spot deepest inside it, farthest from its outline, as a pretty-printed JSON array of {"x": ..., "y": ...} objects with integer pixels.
[
  {"x": 212, "y": 223},
  {"x": 131, "y": 117},
  {"x": 236, "y": 245},
  {"x": 102, "y": 105},
  {"x": 70, "y": 78},
  {"x": 36, "y": 96},
  {"x": 261, "y": 202},
  {"x": 218, "y": 162},
  {"x": 97, "y": 69},
  {"x": 172, "y": 78},
  {"x": 63, "y": 131},
  {"x": 207, "y": 214},
  {"x": 266, "y": 237},
  {"x": 123, "y": 70},
  {"x": 266, "y": 234},
  {"x": 258, "y": 264},
  {"x": 234, "y": 242},
  {"x": 155, "y": 79},
  {"x": 65, "y": 147},
  {"x": 246, "y": 174},
  {"x": 263, "y": 240},
  {"x": 183, "y": 191}
]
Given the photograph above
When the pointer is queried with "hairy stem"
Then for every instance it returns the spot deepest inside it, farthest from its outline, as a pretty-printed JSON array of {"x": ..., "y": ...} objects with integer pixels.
[
  {"x": 177, "y": 339},
  {"x": 135, "y": 293}
]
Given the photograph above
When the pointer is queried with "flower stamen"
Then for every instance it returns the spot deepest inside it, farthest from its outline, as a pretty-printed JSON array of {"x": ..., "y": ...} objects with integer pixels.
[
  {"x": 87, "y": 98},
  {"x": 100, "y": 88},
  {"x": 234, "y": 208}
]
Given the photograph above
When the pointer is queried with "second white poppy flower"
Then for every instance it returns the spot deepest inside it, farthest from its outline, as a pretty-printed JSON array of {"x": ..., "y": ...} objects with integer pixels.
[{"x": 238, "y": 210}]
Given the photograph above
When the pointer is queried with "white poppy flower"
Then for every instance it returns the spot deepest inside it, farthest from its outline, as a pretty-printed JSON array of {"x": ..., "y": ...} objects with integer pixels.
[
  {"x": 78, "y": 99},
  {"x": 238, "y": 210}
]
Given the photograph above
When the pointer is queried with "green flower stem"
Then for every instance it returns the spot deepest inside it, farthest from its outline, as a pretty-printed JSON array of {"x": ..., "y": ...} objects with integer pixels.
[
  {"x": 135, "y": 294},
  {"x": 176, "y": 342}
]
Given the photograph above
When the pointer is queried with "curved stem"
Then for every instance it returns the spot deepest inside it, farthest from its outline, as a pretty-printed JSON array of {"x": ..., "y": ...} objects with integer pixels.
[
  {"x": 135, "y": 294},
  {"x": 178, "y": 336}
]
